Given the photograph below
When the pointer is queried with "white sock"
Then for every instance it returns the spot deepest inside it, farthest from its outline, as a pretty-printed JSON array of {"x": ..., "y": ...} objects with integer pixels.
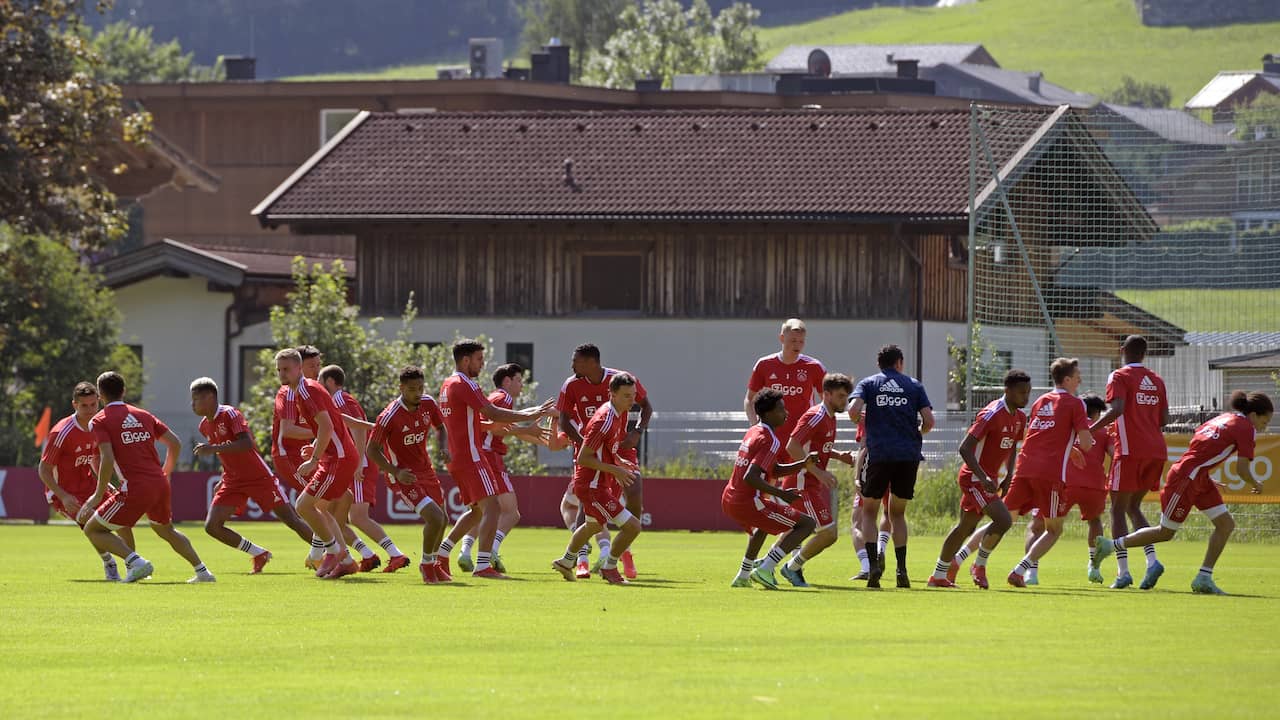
[
  {"x": 1022, "y": 567},
  {"x": 248, "y": 547},
  {"x": 1150, "y": 550},
  {"x": 797, "y": 562},
  {"x": 1206, "y": 572},
  {"x": 446, "y": 547},
  {"x": 317, "y": 548},
  {"x": 962, "y": 555},
  {"x": 497, "y": 541},
  {"x": 584, "y": 553},
  {"x": 940, "y": 570},
  {"x": 748, "y": 564},
  {"x": 1122, "y": 562},
  {"x": 386, "y": 544},
  {"x": 468, "y": 541},
  {"x": 882, "y": 540},
  {"x": 606, "y": 545},
  {"x": 133, "y": 558},
  {"x": 772, "y": 559},
  {"x": 482, "y": 561},
  {"x": 200, "y": 569},
  {"x": 864, "y": 563},
  {"x": 428, "y": 558},
  {"x": 361, "y": 548},
  {"x": 983, "y": 555}
]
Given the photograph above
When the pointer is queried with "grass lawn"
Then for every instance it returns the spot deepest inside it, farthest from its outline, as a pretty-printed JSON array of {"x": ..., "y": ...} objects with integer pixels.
[
  {"x": 1211, "y": 310},
  {"x": 677, "y": 643}
]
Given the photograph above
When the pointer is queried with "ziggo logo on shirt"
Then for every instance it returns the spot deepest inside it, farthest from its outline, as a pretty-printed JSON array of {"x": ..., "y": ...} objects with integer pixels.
[
  {"x": 1145, "y": 399},
  {"x": 787, "y": 390},
  {"x": 891, "y": 401},
  {"x": 129, "y": 438}
]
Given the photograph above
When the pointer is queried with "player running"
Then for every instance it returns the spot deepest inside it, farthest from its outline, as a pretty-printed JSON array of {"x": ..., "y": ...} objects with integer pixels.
[
  {"x": 126, "y": 438},
  {"x": 464, "y": 407},
  {"x": 398, "y": 447},
  {"x": 1058, "y": 424},
  {"x": 898, "y": 412},
  {"x": 599, "y": 472},
  {"x": 364, "y": 490},
  {"x": 1140, "y": 410},
  {"x": 1190, "y": 484},
  {"x": 330, "y": 469},
  {"x": 581, "y": 395},
  {"x": 796, "y": 375},
  {"x": 744, "y": 498},
  {"x": 855, "y": 516},
  {"x": 69, "y": 466},
  {"x": 990, "y": 444},
  {"x": 1087, "y": 486},
  {"x": 816, "y": 432},
  {"x": 245, "y": 475}
]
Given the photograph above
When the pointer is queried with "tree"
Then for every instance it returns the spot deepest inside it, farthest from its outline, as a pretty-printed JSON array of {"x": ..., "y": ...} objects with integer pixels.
[
  {"x": 317, "y": 313},
  {"x": 130, "y": 55},
  {"x": 658, "y": 39},
  {"x": 55, "y": 118},
  {"x": 977, "y": 365},
  {"x": 584, "y": 25},
  {"x": 58, "y": 326},
  {"x": 1140, "y": 94},
  {"x": 1259, "y": 120}
]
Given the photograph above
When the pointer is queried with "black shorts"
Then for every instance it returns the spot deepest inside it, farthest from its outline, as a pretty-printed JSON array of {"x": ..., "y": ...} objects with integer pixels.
[{"x": 897, "y": 477}]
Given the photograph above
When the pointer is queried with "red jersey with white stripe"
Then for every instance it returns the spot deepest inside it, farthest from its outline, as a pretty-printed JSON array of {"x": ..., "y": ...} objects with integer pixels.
[
  {"x": 798, "y": 382},
  {"x": 1055, "y": 418},
  {"x": 1093, "y": 475},
  {"x": 312, "y": 400},
  {"x": 815, "y": 431},
  {"x": 348, "y": 405},
  {"x": 999, "y": 430},
  {"x": 760, "y": 447},
  {"x": 581, "y": 398},
  {"x": 1214, "y": 442},
  {"x": 402, "y": 432},
  {"x": 604, "y": 432},
  {"x": 1139, "y": 430},
  {"x": 287, "y": 409},
  {"x": 244, "y": 466},
  {"x": 461, "y": 402},
  {"x": 72, "y": 451},
  {"x": 500, "y": 398},
  {"x": 133, "y": 433}
]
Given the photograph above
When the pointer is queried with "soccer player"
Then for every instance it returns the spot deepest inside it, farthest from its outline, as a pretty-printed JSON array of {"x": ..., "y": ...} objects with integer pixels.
[
  {"x": 398, "y": 446},
  {"x": 464, "y": 406},
  {"x": 796, "y": 375},
  {"x": 126, "y": 438},
  {"x": 581, "y": 395},
  {"x": 1058, "y": 424},
  {"x": 598, "y": 473},
  {"x": 1189, "y": 484},
  {"x": 744, "y": 498},
  {"x": 898, "y": 412},
  {"x": 855, "y": 516},
  {"x": 1140, "y": 410},
  {"x": 364, "y": 490},
  {"x": 990, "y": 444},
  {"x": 69, "y": 466},
  {"x": 245, "y": 475},
  {"x": 1087, "y": 486},
  {"x": 816, "y": 432},
  {"x": 330, "y": 469}
]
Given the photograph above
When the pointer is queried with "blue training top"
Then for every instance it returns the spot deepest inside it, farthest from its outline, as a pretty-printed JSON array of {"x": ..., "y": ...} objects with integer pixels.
[{"x": 893, "y": 403}]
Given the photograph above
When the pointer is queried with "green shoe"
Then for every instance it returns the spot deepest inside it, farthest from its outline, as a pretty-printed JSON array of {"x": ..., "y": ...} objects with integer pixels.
[
  {"x": 496, "y": 562},
  {"x": 740, "y": 582},
  {"x": 1122, "y": 582},
  {"x": 765, "y": 578},
  {"x": 598, "y": 564},
  {"x": 1095, "y": 575},
  {"x": 1102, "y": 547},
  {"x": 465, "y": 563},
  {"x": 1204, "y": 586},
  {"x": 1031, "y": 578}
]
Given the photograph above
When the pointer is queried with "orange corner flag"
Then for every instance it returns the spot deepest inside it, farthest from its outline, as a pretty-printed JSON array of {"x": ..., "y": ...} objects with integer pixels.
[{"x": 42, "y": 427}]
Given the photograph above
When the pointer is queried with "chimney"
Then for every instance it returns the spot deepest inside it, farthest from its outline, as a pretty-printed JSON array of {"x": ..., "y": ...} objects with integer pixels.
[
  {"x": 239, "y": 67},
  {"x": 908, "y": 68},
  {"x": 1033, "y": 82},
  {"x": 1271, "y": 64},
  {"x": 552, "y": 64},
  {"x": 649, "y": 84}
]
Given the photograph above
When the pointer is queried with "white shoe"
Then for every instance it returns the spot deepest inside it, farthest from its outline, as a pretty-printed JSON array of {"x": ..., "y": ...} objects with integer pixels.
[
  {"x": 112, "y": 572},
  {"x": 203, "y": 577},
  {"x": 140, "y": 570}
]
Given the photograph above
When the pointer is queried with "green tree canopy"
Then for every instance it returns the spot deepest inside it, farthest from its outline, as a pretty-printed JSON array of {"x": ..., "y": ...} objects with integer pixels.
[
  {"x": 1140, "y": 94},
  {"x": 131, "y": 55}
]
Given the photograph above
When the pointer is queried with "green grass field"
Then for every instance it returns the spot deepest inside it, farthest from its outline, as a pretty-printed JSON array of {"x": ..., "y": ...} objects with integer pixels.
[
  {"x": 1211, "y": 310},
  {"x": 677, "y": 643}
]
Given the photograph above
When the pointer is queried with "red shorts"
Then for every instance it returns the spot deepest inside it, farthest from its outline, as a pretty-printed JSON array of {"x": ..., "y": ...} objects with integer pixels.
[
  {"x": 287, "y": 471},
  {"x": 974, "y": 498},
  {"x": 426, "y": 489},
  {"x": 815, "y": 501},
  {"x": 125, "y": 508},
  {"x": 334, "y": 477},
  {"x": 1136, "y": 474},
  {"x": 1091, "y": 501},
  {"x": 602, "y": 504},
  {"x": 499, "y": 465},
  {"x": 1044, "y": 495},
  {"x": 365, "y": 487},
  {"x": 1181, "y": 494},
  {"x": 57, "y": 504},
  {"x": 265, "y": 491},
  {"x": 477, "y": 480},
  {"x": 763, "y": 514}
]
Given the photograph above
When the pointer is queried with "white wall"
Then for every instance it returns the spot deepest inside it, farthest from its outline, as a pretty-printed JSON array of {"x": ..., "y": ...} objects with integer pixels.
[{"x": 180, "y": 326}]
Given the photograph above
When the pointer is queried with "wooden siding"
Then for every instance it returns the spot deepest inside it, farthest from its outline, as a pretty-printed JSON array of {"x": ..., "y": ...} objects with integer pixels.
[{"x": 689, "y": 270}]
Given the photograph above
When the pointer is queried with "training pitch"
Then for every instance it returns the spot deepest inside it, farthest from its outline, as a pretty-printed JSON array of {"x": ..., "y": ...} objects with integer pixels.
[{"x": 678, "y": 642}]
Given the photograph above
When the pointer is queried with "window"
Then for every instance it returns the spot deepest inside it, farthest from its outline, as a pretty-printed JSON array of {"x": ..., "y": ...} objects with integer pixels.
[
  {"x": 332, "y": 121},
  {"x": 611, "y": 282},
  {"x": 249, "y": 375},
  {"x": 521, "y": 354}
]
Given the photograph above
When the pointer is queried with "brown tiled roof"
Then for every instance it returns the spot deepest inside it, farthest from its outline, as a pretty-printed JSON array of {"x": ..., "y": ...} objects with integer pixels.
[
  {"x": 277, "y": 264},
  {"x": 225, "y": 267},
  {"x": 650, "y": 164}
]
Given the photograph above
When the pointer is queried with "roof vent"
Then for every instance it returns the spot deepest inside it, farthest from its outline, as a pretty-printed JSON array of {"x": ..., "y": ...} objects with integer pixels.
[{"x": 1033, "y": 82}]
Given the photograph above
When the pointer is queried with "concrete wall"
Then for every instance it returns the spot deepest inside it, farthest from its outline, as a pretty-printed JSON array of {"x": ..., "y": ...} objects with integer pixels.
[{"x": 180, "y": 326}]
